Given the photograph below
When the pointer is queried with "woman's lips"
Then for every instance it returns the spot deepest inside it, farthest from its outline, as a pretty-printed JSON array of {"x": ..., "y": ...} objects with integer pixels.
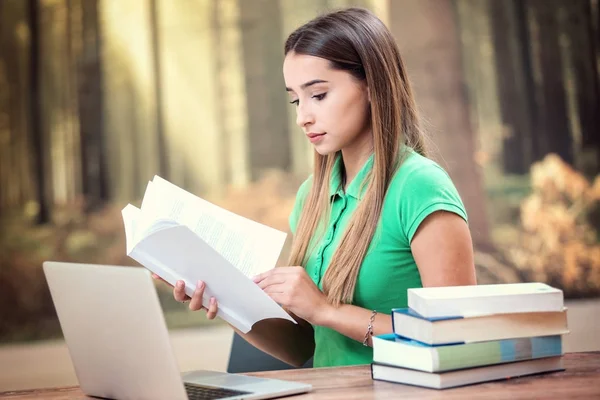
[{"x": 315, "y": 137}]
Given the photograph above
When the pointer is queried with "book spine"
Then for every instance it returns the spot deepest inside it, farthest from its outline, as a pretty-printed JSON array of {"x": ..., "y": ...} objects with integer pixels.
[{"x": 497, "y": 352}]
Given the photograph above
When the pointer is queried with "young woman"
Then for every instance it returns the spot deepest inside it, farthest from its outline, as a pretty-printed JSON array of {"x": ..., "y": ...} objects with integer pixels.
[{"x": 375, "y": 218}]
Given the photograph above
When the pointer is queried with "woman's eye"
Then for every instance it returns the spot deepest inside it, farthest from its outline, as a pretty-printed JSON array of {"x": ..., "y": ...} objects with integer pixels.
[{"x": 318, "y": 97}]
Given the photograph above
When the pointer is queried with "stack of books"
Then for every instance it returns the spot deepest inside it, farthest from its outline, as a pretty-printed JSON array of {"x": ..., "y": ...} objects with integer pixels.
[{"x": 461, "y": 335}]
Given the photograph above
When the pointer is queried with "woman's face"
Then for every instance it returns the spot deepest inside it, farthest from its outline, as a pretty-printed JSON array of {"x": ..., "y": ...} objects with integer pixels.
[{"x": 332, "y": 106}]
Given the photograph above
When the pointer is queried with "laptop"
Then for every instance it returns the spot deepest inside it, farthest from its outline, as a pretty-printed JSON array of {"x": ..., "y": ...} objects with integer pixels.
[{"x": 119, "y": 344}]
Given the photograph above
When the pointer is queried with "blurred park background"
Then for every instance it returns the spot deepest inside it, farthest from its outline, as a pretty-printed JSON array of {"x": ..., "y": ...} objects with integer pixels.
[{"x": 97, "y": 96}]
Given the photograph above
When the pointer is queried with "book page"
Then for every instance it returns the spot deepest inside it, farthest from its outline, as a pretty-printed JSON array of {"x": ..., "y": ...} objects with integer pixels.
[
  {"x": 176, "y": 253},
  {"x": 249, "y": 246},
  {"x": 130, "y": 216}
]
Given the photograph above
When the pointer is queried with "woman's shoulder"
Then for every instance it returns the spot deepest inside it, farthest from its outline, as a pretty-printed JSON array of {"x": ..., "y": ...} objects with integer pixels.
[
  {"x": 417, "y": 170},
  {"x": 420, "y": 187}
]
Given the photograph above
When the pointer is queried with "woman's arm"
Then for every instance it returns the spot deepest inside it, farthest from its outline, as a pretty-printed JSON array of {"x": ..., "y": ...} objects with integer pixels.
[
  {"x": 293, "y": 288},
  {"x": 289, "y": 342},
  {"x": 353, "y": 321},
  {"x": 443, "y": 251},
  {"x": 444, "y": 255}
]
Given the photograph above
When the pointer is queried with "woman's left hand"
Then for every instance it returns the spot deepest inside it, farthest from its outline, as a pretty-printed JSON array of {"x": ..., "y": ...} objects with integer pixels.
[{"x": 292, "y": 288}]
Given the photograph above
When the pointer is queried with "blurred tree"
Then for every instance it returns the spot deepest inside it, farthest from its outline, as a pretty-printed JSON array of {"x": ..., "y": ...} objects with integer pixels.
[
  {"x": 233, "y": 106},
  {"x": 269, "y": 142},
  {"x": 579, "y": 52},
  {"x": 5, "y": 112},
  {"x": 156, "y": 61},
  {"x": 426, "y": 32},
  {"x": 95, "y": 185},
  {"x": 551, "y": 124},
  {"x": 515, "y": 83},
  {"x": 16, "y": 186},
  {"x": 545, "y": 78},
  {"x": 38, "y": 139},
  {"x": 479, "y": 66}
]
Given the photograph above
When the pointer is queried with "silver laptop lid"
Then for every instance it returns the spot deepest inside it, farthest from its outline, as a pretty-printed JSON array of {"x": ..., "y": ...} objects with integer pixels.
[{"x": 118, "y": 341}]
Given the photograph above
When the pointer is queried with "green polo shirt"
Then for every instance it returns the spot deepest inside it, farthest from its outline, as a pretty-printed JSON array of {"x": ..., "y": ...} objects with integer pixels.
[{"x": 419, "y": 188}]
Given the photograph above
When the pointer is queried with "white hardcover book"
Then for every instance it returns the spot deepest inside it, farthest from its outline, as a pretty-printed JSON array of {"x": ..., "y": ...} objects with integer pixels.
[{"x": 475, "y": 300}]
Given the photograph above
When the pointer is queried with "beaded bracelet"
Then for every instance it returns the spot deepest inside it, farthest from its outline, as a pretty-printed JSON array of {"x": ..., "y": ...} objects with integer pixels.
[{"x": 369, "y": 328}]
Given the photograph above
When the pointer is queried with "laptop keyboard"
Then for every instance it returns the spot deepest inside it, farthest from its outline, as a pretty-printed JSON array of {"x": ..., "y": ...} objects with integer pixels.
[{"x": 197, "y": 392}]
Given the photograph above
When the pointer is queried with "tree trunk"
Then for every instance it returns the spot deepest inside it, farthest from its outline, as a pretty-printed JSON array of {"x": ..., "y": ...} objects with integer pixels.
[
  {"x": 515, "y": 83},
  {"x": 269, "y": 144},
  {"x": 551, "y": 125},
  {"x": 15, "y": 179},
  {"x": 427, "y": 34},
  {"x": 94, "y": 181},
  {"x": 232, "y": 107},
  {"x": 479, "y": 64},
  {"x": 35, "y": 113},
  {"x": 157, "y": 74},
  {"x": 583, "y": 98}
]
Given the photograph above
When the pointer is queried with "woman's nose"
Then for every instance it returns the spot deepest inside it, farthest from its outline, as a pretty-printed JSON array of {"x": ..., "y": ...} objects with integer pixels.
[{"x": 304, "y": 116}]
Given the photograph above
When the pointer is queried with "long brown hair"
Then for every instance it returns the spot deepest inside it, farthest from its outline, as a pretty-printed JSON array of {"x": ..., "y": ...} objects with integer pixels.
[{"x": 356, "y": 41}]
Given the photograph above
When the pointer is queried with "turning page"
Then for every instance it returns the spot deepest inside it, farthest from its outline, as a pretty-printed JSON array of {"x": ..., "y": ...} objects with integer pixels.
[
  {"x": 180, "y": 236},
  {"x": 248, "y": 245}
]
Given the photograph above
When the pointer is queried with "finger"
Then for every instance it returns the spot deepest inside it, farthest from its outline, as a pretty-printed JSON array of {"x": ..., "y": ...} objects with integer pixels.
[
  {"x": 196, "y": 302},
  {"x": 271, "y": 280},
  {"x": 212, "y": 308},
  {"x": 179, "y": 291},
  {"x": 276, "y": 288},
  {"x": 275, "y": 271},
  {"x": 260, "y": 277}
]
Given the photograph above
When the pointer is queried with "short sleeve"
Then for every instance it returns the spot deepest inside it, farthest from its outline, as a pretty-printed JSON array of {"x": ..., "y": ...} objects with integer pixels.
[
  {"x": 299, "y": 203},
  {"x": 426, "y": 190}
]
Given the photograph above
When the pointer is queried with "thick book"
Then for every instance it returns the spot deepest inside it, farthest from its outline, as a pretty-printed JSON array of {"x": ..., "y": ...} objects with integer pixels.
[
  {"x": 465, "y": 377},
  {"x": 457, "y": 329},
  {"x": 180, "y": 236},
  {"x": 473, "y": 300},
  {"x": 402, "y": 352}
]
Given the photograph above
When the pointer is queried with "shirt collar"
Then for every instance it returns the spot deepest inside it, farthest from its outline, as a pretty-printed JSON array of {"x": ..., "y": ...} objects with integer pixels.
[{"x": 354, "y": 188}]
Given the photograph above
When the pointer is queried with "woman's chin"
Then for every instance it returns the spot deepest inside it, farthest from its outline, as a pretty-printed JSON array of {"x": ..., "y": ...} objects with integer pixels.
[{"x": 325, "y": 150}]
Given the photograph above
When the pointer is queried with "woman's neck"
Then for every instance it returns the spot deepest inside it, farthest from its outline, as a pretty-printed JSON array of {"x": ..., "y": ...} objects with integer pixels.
[{"x": 355, "y": 156}]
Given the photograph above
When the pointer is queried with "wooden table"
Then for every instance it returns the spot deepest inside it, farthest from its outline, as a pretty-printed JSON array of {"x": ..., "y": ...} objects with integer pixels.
[{"x": 581, "y": 380}]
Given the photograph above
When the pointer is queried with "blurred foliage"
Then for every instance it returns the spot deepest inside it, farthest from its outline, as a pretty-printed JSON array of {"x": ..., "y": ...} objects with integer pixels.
[
  {"x": 556, "y": 240},
  {"x": 26, "y": 309}
]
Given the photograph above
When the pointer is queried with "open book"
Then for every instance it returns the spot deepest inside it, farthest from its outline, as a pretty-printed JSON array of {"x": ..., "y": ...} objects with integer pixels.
[{"x": 180, "y": 236}]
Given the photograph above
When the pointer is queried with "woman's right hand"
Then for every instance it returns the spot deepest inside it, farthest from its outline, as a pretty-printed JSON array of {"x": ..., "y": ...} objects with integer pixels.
[{"x": 196, "y": 299}]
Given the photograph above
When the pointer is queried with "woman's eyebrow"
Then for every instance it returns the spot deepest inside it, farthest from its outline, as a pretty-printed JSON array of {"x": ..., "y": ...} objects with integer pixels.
[{"x": 307, "y": 84}]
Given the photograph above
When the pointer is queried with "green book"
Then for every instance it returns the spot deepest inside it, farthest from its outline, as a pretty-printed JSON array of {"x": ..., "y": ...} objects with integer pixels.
[{"x": 402, "y": 352}]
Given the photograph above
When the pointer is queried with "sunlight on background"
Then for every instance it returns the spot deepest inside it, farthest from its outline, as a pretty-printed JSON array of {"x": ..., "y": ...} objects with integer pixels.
[{"x": 193, "y": 91}]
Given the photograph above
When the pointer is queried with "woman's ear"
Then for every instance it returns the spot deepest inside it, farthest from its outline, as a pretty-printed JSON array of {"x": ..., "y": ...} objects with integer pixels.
[{"x": 368, "y": 95}]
